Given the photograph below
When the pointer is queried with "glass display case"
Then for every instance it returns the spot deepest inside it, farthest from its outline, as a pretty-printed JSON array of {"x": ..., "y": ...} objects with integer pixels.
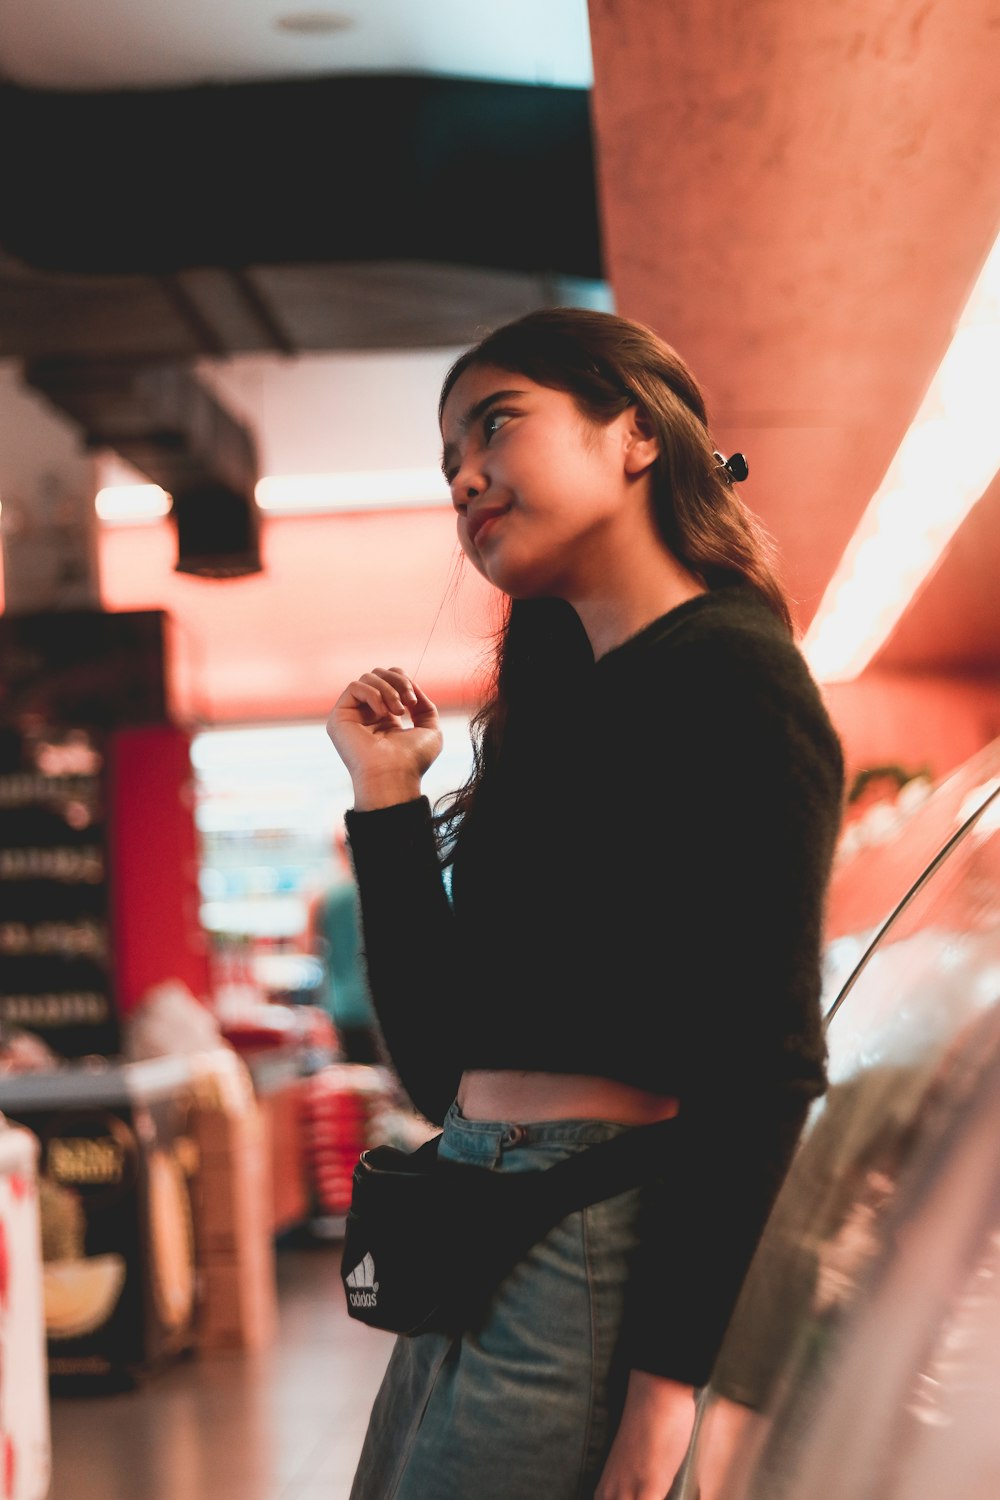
[
  {"x": 863, "y": 1358},
  {"x": 115, "y": 1165}
]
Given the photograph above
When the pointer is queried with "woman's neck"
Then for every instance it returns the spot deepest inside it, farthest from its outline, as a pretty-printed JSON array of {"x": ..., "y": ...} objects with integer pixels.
[{"x": 611, "y": 617}]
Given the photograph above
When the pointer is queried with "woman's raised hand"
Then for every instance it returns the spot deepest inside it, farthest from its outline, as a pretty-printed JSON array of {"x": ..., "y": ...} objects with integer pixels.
[{"x": 386, "y": 757}]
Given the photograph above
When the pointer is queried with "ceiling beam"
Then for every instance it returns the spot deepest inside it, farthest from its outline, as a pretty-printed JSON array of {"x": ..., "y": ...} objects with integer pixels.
[{"x": 348, "y": 168}]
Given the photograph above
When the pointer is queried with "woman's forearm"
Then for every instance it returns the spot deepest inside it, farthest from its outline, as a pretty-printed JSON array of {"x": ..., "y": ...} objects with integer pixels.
[{"x": 652, "y": 1439}]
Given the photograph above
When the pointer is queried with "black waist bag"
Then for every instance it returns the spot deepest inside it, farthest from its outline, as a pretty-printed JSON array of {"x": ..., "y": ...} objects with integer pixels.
[{"x": 426, "y": 1241}]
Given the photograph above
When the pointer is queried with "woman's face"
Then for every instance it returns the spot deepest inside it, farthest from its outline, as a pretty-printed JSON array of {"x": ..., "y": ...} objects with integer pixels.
[{"x": 540, "y": 491}]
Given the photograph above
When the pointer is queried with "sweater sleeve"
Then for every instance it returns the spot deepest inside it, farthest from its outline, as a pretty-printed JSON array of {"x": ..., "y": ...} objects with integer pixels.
[
  {"x": 759, "y": 773},
  {"x": 702, "y": 1221},
  {"x": 409, "y": 948}
]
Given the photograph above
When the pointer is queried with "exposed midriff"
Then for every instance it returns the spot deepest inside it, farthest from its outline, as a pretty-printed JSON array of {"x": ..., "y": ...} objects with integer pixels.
[{"x": 528, "y": 1097}]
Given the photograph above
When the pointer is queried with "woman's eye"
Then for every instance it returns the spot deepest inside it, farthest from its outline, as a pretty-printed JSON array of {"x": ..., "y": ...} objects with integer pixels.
[{"x": 493, "y": 421}]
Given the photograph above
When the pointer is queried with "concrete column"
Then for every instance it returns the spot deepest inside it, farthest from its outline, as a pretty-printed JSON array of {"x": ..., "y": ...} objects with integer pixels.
[{"x": 799, "y": 197}]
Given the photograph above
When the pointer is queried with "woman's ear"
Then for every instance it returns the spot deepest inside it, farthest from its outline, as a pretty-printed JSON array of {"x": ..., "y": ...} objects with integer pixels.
[{"x": 642, "y": 446}]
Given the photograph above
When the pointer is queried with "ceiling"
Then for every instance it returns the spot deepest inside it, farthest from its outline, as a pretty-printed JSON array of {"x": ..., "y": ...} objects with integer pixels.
[
  {"x": 234, "y": 186},
  {"x": 799, "y": 198},
  {"x": 118, "y": 44}
]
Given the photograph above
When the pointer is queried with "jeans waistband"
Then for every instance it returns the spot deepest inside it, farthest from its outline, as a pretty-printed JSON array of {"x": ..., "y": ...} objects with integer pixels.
[{"x": 487, "y": 1141}]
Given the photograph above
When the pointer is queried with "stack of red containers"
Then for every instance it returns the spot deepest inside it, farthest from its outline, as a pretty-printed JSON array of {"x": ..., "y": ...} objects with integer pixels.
[{"x": 345, "y": 1110}]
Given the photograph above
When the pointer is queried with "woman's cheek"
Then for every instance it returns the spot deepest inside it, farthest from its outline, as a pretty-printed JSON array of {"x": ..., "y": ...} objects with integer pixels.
[{"x": 469, "y": 549}]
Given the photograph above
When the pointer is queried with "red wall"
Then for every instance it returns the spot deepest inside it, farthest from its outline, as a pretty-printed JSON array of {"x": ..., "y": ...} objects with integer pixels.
[
  {"x": 342, "y": 593},
  {"x": 153, "y": 858},
  {"x": 339, "y": 594},
  {"x": 914, "y": 720}
]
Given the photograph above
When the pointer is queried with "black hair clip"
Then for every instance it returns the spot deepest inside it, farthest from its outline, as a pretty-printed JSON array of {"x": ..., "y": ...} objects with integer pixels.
[{"x": 734, "y": 468}]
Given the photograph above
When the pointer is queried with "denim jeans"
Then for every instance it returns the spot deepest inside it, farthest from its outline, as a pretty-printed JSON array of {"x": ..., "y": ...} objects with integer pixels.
[{"x": 525, "y": 1406}]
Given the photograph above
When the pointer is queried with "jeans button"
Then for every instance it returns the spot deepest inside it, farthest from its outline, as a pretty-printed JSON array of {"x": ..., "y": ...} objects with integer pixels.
[{"x": 514, "y": 1135}]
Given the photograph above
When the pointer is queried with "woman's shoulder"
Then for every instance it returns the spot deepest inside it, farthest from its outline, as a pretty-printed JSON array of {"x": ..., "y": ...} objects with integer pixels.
[
  {"x": 734, "y": 664},
  {"x": 727, "y": 631}
]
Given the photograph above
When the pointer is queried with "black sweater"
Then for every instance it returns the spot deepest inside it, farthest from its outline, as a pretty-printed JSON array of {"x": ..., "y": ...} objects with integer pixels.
[{"x": 638, "y": 895}]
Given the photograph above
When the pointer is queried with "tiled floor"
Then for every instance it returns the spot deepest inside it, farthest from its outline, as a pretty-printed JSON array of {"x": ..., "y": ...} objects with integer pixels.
[{"x": 283, "y": 1424}]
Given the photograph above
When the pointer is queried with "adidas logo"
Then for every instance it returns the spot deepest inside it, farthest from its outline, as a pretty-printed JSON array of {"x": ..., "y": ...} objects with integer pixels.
[{"x": 363, "y": 1288}]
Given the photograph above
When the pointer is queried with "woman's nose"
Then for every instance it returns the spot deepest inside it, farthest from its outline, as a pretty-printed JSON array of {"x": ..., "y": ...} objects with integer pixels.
[{"x": 468, "y": 484}]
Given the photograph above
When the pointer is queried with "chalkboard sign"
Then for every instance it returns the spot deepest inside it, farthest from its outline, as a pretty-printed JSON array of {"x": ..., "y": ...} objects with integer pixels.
[
  {"x": 88, "y": 668},
  {"x": 56, "y": 968},
  {"x": 68, "y": 680}
]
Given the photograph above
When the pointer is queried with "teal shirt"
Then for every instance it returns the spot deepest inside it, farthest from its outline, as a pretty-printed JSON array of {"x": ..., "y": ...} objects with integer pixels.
[{"x": 345, "y": 989}]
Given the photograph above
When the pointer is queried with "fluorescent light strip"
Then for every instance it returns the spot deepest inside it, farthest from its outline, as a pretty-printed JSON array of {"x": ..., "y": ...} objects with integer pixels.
[
  {"x": 292, "y": 494},
  {"x": 943, "y": 466},
  {"x": 365, "y": 490},
  {"x": 132, "y": 504}
]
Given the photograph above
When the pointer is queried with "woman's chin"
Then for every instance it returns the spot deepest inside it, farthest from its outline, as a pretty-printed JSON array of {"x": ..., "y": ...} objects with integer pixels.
[{"x": 517, "y": 581}]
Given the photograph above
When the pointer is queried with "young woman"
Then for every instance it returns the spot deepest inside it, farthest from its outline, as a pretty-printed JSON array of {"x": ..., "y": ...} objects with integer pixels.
[{"x": 633, "y": 931}]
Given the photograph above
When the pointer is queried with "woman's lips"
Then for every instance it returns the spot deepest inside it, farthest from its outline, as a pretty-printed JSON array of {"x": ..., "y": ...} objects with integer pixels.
[{"x": 483, "y": 520}]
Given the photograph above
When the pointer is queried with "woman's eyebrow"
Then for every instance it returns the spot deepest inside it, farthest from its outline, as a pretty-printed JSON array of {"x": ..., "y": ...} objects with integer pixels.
[{"x": 471, "y": 416}]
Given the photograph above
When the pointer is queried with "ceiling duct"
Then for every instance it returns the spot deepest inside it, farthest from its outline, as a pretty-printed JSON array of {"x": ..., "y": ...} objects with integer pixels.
[
  {"x": 218, "y": 531},
  {"x": 162, "y": 420},
  {"x": 354, "y": 168}
]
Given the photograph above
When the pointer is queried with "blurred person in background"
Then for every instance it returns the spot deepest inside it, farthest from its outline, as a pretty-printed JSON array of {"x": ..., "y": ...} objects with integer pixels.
[
  {"x": 334, "y": 938},
  {"x": 639, "y": 861}
]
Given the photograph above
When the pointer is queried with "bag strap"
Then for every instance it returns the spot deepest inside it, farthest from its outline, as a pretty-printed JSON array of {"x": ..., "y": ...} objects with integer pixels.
[
  {"x": 600, "y": 1171},
  {"x": 603, "y": 1170},
  {"x": 538, "y": 1201}
]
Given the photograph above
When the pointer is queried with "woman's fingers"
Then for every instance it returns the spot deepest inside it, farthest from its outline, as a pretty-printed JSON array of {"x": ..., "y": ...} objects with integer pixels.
[
  {"x": 409, "y": 692},
  {"x": 401, "y": 681},
  {"x": 400, "y": 693},
  {"x": 385, "y": 755},
  {"x": 394, "y": 687},
  {"x": 381, "y": 695},
  {"x": 383, "y": 690},
  {"x": 360, "y": 702}
]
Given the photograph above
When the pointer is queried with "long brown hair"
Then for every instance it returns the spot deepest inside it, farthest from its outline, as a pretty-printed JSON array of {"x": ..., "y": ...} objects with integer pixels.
[{"x": 608, "y": 363}]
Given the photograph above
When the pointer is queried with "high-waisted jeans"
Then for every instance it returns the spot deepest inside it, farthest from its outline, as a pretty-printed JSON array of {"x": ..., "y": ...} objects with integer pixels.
[{"x": 527, "y": 1405}]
